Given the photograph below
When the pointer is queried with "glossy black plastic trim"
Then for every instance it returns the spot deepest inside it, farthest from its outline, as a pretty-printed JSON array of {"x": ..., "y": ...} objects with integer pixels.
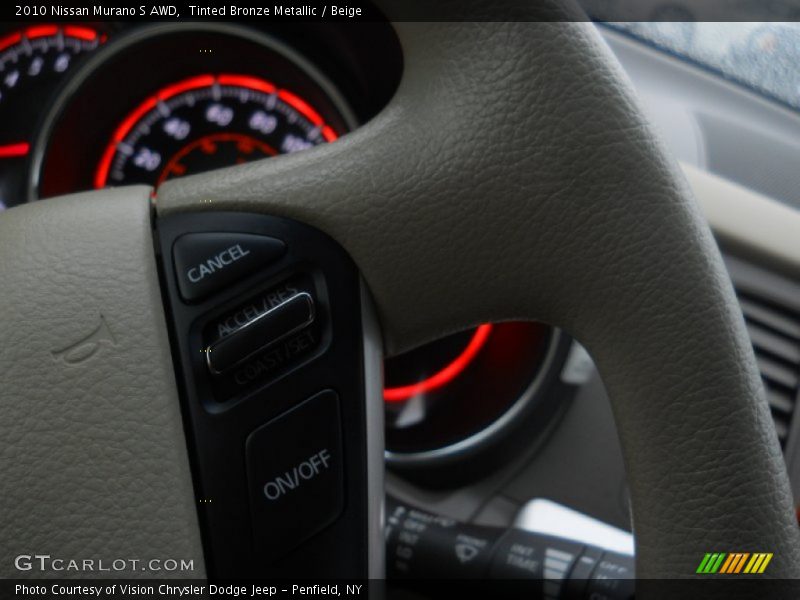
[{"x": 218, "y": 423}]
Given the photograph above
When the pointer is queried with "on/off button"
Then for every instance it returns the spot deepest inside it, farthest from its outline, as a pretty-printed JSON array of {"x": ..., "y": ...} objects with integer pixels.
[
  {"x": 295, "y": 469},
  {"x": 207, "y": 262}
]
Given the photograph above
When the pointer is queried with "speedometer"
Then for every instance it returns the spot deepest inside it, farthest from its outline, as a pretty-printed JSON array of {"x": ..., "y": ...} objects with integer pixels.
[
  {"x": 169, "y": 100},
  {"x": 207, "y": 122}
]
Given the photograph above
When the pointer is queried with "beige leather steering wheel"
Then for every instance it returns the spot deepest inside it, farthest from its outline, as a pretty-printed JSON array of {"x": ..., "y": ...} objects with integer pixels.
[{"x": 512, "y": 176}]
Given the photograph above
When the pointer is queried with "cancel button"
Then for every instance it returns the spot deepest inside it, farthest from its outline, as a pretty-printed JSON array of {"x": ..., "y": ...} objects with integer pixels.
[
  {"x": 295, "y": 472},
  {"x": 207, "y": 262}
]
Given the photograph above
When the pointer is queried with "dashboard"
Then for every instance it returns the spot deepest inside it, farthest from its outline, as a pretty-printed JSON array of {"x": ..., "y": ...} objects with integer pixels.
[{"x": 476, "y": 423}]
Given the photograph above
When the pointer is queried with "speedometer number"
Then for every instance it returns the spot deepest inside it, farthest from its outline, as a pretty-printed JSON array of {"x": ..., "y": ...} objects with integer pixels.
[
  {"x": 147, "y": 159},
  {"x": 292, "y": 143},
  {"x": 219, "y": 114},
  {"x": 62, "y": 63},
  {"x": 177, "y": 128},
  {"x": 262, "y": 122},
  {"x": 11, "y": 79},
  {"x": 36, "y": 66}
]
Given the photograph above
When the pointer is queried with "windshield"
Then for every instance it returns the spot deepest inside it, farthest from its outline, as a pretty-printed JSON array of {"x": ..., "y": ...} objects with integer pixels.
[{"x": 763, "y": 56}]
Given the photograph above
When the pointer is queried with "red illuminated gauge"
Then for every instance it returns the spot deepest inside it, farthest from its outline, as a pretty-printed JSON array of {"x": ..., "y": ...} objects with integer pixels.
[
  {"x": 469, "y": 393},
  {"x": 33, "y": 63},
  {"x": 207, "y": 122},
  {"x": 39, "y": 54},
  {"x": 213, "y": 150},
  {"x": 447, "y": 373}
]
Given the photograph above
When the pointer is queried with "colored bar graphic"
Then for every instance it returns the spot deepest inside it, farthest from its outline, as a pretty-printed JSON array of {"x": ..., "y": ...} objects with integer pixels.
[
  {"x": 711, "y": 562},
  {"x": 734, "y": 563},
  {"x": 753, "y": 562},
  {"x": 764, "y": 564},
  {"x": 718, "y": 563},
  {"x": 758, "y": 563},
  {"x": 726, "y": 566},
  {"x": 740, "y": 564},
  {"x": 703, "y": 563}
]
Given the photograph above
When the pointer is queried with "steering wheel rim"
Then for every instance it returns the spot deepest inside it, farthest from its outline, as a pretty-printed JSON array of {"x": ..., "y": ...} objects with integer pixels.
[
  {"x": 512, "y": 176},
  {"x": 580, "y": 197}
]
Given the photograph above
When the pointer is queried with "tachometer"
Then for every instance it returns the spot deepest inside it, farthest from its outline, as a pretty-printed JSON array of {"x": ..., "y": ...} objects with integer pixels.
[
  {"x": 38, "y": 54},
  {"x": 207, "y": 122},
  {"x": 470, "y": 394},
  {"x": 32, "y": 63}
]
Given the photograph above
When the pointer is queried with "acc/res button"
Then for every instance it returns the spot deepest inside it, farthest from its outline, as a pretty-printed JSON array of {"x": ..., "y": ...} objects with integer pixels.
[
  {"x": 281, "y": 321},
  {"x": 207, "y": 262}
]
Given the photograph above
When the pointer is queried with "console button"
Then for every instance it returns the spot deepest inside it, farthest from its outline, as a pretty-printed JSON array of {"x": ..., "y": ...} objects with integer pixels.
[
  {"x": 295, "y": 472},
  {"x": 207, "y": 262},
  {"x": 281, "y": 321}
]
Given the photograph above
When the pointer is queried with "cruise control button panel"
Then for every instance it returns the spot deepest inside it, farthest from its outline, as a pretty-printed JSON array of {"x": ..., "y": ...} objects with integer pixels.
[
  {"x": 272, "y": 332},
  {"x": 294, "y": 466},
  {"x": 207, "y": 262},
  {"x": 265, "y": 330},
  {"x": 265, "y": 320}
]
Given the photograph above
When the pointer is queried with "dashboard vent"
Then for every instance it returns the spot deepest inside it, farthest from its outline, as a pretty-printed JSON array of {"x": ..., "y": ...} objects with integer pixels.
[{"x": 775, "y": 333}]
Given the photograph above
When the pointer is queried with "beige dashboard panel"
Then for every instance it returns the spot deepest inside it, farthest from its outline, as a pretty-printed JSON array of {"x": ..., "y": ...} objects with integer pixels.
[{"x": 747, "y": 220}]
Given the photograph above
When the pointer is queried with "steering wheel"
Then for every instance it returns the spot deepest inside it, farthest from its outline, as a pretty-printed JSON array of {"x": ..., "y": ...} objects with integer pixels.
[{"x": 511, "y": 177}]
